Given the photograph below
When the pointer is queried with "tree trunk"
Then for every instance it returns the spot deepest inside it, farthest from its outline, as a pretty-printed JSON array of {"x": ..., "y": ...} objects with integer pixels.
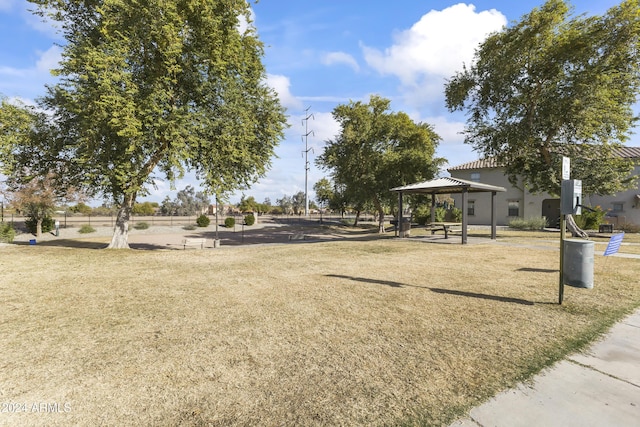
[
  {"x": 574, "y": 229},
  {"x": 380, "y": 210},
  {"x": 120, "y": 239},
  {"x": 39, "y": 227}
]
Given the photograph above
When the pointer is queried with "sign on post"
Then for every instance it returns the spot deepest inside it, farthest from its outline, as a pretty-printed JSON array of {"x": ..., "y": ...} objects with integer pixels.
[
  {"x": 614, "y": 244},
  {"x": 566, "y": 168}
]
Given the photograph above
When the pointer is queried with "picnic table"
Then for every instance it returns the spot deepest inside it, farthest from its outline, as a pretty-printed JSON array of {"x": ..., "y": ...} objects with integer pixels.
[{"x": 443, "y": 226}]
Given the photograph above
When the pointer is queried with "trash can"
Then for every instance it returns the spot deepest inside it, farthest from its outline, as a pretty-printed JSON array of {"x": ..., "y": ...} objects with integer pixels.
[
  {"x": 405, "y": 227},
  {"x": 578, "y": 263}
]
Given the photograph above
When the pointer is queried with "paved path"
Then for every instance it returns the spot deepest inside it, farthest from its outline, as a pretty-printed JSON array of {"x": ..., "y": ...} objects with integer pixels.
[{"x": 600, "y": 387}]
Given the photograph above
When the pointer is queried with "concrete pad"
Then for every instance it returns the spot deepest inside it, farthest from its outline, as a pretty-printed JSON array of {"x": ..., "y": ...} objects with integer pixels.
[
  {"x": 617, "y": 354},
  {"x": 565, "y": 395}
]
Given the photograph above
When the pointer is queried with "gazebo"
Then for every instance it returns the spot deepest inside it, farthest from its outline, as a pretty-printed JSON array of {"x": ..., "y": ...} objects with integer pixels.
[{"x": 449, "y": 185}]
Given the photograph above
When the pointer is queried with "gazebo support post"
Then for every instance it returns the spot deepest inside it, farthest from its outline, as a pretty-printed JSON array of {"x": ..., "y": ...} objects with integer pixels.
[
  {"x": 465, "y": 192},
  {"x": 399, "y": 217},
  {"x": 493, "y": 215},
  {"x": 433, "y": 207}
]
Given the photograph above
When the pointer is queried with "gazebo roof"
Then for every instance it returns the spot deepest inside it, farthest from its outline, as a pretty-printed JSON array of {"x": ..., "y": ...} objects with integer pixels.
[{"x": 448, "y": 185}]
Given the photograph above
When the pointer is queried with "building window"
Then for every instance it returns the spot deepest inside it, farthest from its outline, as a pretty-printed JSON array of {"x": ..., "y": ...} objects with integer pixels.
[
  {"x": 475, "y": 176},
  {"x": 471, "y": 207},
  {"x": 514, "y": 208},
  {"x": 618, "y": 207}
]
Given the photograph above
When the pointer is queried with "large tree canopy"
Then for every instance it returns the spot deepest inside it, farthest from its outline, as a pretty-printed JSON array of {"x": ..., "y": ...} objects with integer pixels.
[
  {"x": 376, "y": 151},
  {"x": 160, "y": 85},
  {"x": 553, "y": 85}
]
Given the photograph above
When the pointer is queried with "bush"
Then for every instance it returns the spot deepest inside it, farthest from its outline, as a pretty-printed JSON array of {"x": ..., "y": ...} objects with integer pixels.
[
  {"x": 629, "y": 228},
  {"x": 203, "y": 221},
  {"x": 422, "y": 215},
  {"x": 441, "y": 214},
  {"x": 230, "y": 222},
  {"x": 48, "y": 224},
  {"x": 7, "y": 232},
  {"x": 532, "y": 224},
  {"x": 249, "y": 219},
  {"x": 590, "y": 219},
  {"x": 141, "y": 226},
  {"x": 85, "y": 229}
]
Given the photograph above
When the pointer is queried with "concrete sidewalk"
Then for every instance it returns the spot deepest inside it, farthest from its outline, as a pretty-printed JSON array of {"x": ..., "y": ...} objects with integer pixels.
[{"x": 600, "y": 387}]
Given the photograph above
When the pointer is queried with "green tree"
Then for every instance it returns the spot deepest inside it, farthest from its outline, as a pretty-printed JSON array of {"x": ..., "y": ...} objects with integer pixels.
[
  {"x": 81, "y": 208},
  {"x": 285, "y": 204},
  {"x": 248, "y": 204},
  {"x": 160, "y": 87},
  {"x": 376, "y": 151},
  {"x": 187, "y": 202},
  {"x": 36, "y": 199},
  {"x": 553, "y": 85},
  {"x": 145, "y": 208},
  {"x": 22, "y": 131},
  {"x": 324, "y": 192},
  {"x": 298, "y": 202}
]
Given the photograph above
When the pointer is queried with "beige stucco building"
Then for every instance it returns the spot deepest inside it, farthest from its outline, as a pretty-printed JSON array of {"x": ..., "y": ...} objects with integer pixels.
[{"x": 623, "y": 207}]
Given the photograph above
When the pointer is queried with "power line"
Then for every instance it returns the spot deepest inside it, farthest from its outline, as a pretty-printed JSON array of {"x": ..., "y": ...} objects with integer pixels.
[{"x": 305, "y": 153}]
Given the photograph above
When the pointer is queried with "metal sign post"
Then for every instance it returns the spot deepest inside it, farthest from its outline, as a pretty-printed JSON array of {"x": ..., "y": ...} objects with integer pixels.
[
  {"x": 566, "y": 174},
  {"x": 563, "y": 233}
]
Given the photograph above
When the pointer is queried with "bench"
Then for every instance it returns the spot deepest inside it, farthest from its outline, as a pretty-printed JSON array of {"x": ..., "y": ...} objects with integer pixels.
[
  {"x": 297, "y": 236},
  {"x": 605, "y": 228},
  {"x": 194, "y": 242},
  {"x": 446, "y": 227}
]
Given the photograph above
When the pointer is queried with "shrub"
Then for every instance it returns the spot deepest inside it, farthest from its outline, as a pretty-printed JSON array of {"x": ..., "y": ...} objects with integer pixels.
[
  {"x": 528, "y": 224},
  {"x": 85, "y": 229},
  {"x": 7, "y": 232},
  {"x": 422, "y": 215},
  {"x": 629, "y": 228},
  {"x": 441, "y": 214},
  {"x": 230, "y": 222},
  {"x": 454, "y": 215},
  {"x": 141, "y": 225},
  {"x": 249, "y": 219},
  {"x": 590, "y": 219},
  {"x": 48, "y": 224},
  {"x": 203, "y": 221},
  {"x": 189, "y": 227}
]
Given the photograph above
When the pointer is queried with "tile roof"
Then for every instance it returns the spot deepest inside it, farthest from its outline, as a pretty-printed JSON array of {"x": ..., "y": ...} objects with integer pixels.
[
  {"x": 629, "y": 152},
  {"x": 476, "y": 164},
  {"x": 489, "y": 163}
]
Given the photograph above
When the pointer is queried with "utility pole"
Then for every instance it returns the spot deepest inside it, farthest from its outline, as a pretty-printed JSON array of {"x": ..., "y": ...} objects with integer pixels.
[{"x": 305, "y": 137}]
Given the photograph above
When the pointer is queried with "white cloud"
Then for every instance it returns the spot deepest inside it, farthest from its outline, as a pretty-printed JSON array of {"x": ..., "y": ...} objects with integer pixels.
[
  {"x": 49, "y": 60},
  {"x": 281, "y": 85},
  {"x": 243, "y": 24},
  {"x": 437, "y": 45},
  {"x": 29, "y": 82},
  {"x": 333, "y": 58},
  {"x": 6, "y": 5}
]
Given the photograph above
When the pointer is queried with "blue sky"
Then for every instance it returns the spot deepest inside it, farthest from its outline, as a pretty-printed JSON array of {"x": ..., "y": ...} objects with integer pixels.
[{"x": 318, "y": 55}]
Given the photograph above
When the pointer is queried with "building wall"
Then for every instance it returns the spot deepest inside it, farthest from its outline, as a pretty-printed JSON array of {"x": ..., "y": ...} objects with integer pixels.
[
  {"x": 531, "y": 205},
  {"x": 628, "y": 201}
]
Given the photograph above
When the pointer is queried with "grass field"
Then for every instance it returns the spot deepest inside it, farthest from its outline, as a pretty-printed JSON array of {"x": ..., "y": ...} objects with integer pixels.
[{"x": 380, "y": 332}]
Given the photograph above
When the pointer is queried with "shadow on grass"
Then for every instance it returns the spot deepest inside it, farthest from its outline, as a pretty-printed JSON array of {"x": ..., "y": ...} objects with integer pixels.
[
  {"x": 482, "y": 296},
  {"x": 374, "y": 281},
  {"x": 68, "y": 243},
  {"x": 436, "y": 290},
  {"x": 538, "y": 270}
]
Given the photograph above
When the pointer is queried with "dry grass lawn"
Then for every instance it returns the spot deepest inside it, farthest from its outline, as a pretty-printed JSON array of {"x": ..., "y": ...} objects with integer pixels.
[{"x": 384, "y": 332}]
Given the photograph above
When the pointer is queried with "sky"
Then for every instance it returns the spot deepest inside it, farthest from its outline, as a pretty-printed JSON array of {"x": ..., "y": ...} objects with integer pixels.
[{"x": 319, "y": 55}]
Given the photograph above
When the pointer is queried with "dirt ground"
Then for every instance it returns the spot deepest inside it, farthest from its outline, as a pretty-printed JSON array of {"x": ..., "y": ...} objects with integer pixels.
[{"x": 266, "y": 231}]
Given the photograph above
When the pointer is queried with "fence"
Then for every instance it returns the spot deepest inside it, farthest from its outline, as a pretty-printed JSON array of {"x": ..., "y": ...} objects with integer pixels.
[{"x": 77, "y": 221}]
